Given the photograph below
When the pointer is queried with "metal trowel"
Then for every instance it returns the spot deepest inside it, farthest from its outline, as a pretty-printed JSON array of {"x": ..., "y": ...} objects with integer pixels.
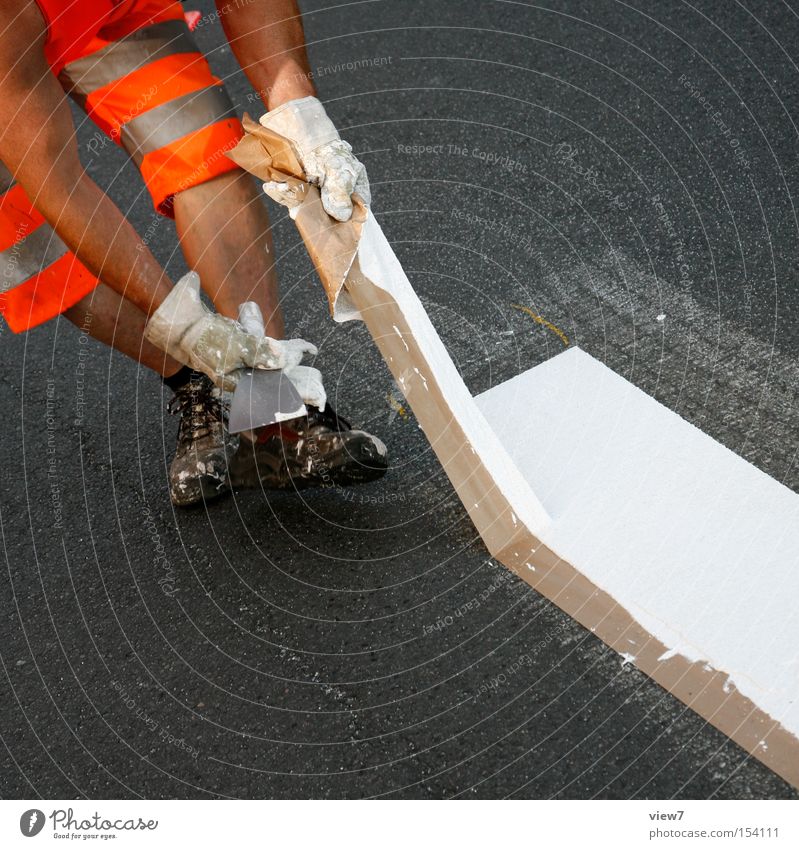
[{"x": 262, "y": 396}]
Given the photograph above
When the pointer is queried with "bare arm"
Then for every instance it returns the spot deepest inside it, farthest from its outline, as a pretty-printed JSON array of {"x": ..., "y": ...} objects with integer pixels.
[
  {"x": 267, "y": 38},
  {"x": 37, "y": 143}
]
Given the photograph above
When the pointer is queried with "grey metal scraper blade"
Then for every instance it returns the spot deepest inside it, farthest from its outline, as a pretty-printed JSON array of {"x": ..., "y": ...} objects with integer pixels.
[{"x": 263, "y": 397}]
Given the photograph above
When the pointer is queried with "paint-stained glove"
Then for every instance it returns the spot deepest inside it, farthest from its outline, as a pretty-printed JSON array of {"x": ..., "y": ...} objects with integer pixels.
[
  {"x": 211, "y": 343},
  {"x": 327, "y": 160},
  {"x": 307, "y": 380}
]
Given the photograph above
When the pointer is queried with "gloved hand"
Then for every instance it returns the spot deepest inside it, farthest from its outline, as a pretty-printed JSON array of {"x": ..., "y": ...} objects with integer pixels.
[
  {"x": 307, "y": 380},
  {"x": 327, "y": 160},
  {"x": 206, "y": 341}
]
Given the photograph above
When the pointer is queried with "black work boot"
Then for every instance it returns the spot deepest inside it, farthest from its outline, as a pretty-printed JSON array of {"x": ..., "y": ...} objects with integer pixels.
[
  {"x": 198, "y": 471},
  {"x": 320, "y": 449}
]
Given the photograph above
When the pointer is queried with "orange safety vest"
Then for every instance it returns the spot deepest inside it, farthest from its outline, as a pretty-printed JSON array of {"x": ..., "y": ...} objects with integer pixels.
[
  {"x": 39, "y": 276},
  {"x": 133, "y": 66},
  {"x": 72, "y": 24}
]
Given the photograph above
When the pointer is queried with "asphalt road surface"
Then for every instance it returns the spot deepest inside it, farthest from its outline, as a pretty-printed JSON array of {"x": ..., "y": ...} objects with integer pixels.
[{"x": 628, "y": 172}]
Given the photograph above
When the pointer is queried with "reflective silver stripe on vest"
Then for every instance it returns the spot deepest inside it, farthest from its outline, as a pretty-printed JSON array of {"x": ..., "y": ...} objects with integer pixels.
[
  {"x": 132, "y": 52},
  {"x": 170, "y": 121},
  {"x": 6, "y": 179},
  {"x": 29, "y": 256}
]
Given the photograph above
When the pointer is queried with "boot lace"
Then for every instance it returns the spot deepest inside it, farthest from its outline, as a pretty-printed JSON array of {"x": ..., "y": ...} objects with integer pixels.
[{"x": 199, "y": 408}]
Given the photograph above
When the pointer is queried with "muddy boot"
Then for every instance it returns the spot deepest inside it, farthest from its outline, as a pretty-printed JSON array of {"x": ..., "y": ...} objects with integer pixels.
[
  {"x": 320, "y": 449},
  {"x": 198, "y": 471}
]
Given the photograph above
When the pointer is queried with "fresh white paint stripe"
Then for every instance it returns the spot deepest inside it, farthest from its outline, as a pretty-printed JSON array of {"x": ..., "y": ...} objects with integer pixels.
[
  {"x": 379, "y": 263},
  {"x": 697, "y": 544}
]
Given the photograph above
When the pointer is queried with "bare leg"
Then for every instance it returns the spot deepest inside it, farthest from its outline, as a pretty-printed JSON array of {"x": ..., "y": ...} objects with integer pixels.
[
  {"x": 106, "y": 316},
  {"x": 223, "y": 228}
]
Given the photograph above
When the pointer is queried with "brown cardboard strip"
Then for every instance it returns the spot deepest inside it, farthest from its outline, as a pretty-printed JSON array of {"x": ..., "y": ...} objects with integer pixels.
[
  {"x": 696, "y": 684},
  {"x": 333, "y": 248},
  {"x": 331, "y": 244}
]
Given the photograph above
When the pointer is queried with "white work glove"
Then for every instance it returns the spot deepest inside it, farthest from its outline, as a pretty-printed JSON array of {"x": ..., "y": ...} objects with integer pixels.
[
  {"x": 211, "y": 343},
  {"x": 307, "y": 380},
  {"x": 326, "y": 159}
]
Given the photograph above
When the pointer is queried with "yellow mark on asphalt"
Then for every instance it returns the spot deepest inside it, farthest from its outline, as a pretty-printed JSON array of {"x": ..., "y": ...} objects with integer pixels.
[
  {"x": 395, "y": 405},
  {"x": 544, "y": 323}
]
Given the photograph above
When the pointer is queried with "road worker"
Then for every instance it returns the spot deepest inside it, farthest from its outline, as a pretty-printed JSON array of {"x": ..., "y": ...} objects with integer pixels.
[{"x": 66, "y": 249}]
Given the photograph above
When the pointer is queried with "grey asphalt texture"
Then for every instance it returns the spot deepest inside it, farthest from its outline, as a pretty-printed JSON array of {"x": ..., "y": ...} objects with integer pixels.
[{"x": 281, "y": 645}]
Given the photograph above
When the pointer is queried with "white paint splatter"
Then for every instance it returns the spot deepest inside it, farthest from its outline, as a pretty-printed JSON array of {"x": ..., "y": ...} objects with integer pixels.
[{"x": 402, "y": 338}]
